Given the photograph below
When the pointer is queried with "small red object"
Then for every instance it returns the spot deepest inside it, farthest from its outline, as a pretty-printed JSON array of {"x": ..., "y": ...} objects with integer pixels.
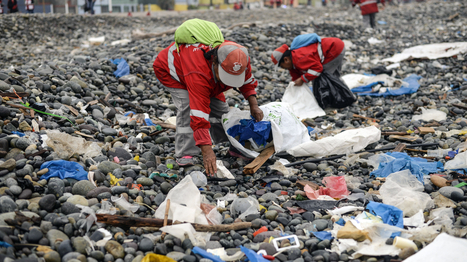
[
  {"x": 268, "y": 257},
  {"x": 261, "y": 230},
  {"x": 129, "y": 14},
  {"x": 148, "y": 14},
  {"x": 284, "y": 193}
]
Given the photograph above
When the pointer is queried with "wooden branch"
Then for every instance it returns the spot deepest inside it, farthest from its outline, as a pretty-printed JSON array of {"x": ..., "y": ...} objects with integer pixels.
[
  {"x": 166, "y": 216},
  {"x": 252, "y": 167},
  {"x": 389, "y": 133},
  {"x": 127, "y": 222},
  {"x": 165, "y": 125},
  {"x": 139, "y": 35},
  {"x": 403, "y": 138},
  {"x": 13, "y": 95},
  {"x": 365, "y": 117},
  {"x": 416, "y": 150},
  {"x": 460, "y": 106}
]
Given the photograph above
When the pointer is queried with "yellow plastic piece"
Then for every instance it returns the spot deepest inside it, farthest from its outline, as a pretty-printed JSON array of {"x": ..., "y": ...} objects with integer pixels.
[
  {"x": 114, "y": 181},
  {"x": 410, "y": 131},
  {"x": 463, "y": 132},
  {"x": 137, "y": 158},
  {"x": 156, "y": 258},
  {"x": 261, "y": 208}
]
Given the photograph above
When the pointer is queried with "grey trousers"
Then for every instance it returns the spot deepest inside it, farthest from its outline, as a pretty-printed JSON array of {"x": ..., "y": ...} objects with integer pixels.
[
  {"x": 334, "y": 67},
  {"x": 370, "y": 20},
  {"x": 184, "y": 142}
]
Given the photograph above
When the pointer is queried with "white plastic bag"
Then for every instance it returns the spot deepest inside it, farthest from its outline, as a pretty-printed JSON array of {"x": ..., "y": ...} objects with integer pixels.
[
  {"x": 346, "y": 142},
  {"x": 404, "y": 191},
  {"x": 302, "y": 101},
  {"x": 245, "y": 206},
  {"x": 459, "y": 162},
  {"x": 199, "y": 178},
  {"x": 182, "y": 230},
  {"x": 184, "y": 197},
  {"x": 430, "y": 114},
  {"x": 287, "y": 130},
  {"x": 444, "y": 248}
]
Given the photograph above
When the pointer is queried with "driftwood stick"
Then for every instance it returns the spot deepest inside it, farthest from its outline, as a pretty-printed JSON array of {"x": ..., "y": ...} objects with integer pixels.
[
  {"x": 166, "y": 216},
  {"x": 389, "y": 133},
  {"x": 127, "y": 222},
  {"x": 365, "y": 117}
]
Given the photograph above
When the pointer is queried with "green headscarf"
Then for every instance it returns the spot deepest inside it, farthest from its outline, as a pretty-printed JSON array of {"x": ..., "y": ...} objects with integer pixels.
[{"x": 198, "y": 31}]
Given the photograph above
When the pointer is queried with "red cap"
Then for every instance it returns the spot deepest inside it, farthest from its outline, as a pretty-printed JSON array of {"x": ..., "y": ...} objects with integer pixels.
[
  {"x": 277, "y": 54},
  {"x": 233, "y": 60}
]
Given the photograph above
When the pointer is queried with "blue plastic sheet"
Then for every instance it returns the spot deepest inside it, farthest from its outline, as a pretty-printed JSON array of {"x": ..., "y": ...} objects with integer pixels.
[
  {"x": 252, "y": 256},
  {"x": 417, "y": 166},
  {"x": 5, "y": 244},
  {"x": 412, "y": 80},
  {"x": 249, "y": 128},
  {"x": 205, "y": 254},
  {"x": 123, "y": 68},
  {"x": 323, "y": 235},
  {"x": 390, "y": 215},
  {"x": 304, "y": 40},
  {"x": 64, "y": 169}
]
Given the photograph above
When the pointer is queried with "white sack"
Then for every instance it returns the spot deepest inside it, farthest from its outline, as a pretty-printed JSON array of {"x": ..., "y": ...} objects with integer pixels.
[
  {"x": 431, "y": 51},
  {"x": 302, "y": 101},
  {"x": 182, "y": 230},
  {"x": 356, "y": 80},
  {"x": 346, "y": 142},
  {"x": 287, "y": 130},
  {"x": 444, "y": 248}
]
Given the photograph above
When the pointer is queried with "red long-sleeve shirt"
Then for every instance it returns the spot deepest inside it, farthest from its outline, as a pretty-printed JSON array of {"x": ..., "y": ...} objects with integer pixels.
[
  {"x": 189, "y": 70},
  {"x": 307, "y": 62},
  {"x": 368, "y": 6}
]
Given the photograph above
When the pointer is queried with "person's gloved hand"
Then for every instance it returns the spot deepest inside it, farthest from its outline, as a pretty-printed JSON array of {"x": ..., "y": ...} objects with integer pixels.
[{"x": 299, "y": 81}]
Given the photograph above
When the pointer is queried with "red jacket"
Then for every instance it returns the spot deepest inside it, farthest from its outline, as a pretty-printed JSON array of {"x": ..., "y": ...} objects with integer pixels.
[
  {"x": 306, "y": 60},
  {"x": 367, "y": 6},
  {"x": 191, "y": 71}
]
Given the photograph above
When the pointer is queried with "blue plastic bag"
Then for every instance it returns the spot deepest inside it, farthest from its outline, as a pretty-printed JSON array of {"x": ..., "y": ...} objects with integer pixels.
[
  {"x": 252, "y": 255},
  {"x": 64, "y": 169},
  {"x": 249, "y": 128},
  {"x": 323, "y": 235},
  {"x": 390, "y": 215},
  {"x": 123, "y": 68},
  {"x": 413, "y": 86},
  {"x": 205, "y": 254},
  {"x": 417, "y": 166},
  {"x": 304, "y": 40}
]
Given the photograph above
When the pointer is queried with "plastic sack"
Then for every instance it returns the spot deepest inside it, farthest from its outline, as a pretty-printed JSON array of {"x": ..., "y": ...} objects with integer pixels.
[
  {"x": 65, "y": 145},
  {"x": 182, "y": 230},
  {"x": 244, "y": 207},
  {"x": 302, "y": 101},
  {"x": 430, "y": 114},
  {"x": 220, "y": 252},
  {"x": 390, "y": 215},
  {"x": 377, "y": 159},
  {"x": 331, "y": 91},
  {"x": 199, "y": 178},
  {"x": 184, "y": 203},
  {"x": 304, "y": 40},
  {"x": 287, "y": 130},
  {"x": 442, "y": 216},
  {"x": 459, "y": 162},
  {"x": 205, "y": 254},
  {"x": 343, "y": 143},
  {"x": 123, "y": 68},
  {"x": 404, "y": 191},
  {"x": 64, "y": 169},
  {"x": 250, "y": 129}
]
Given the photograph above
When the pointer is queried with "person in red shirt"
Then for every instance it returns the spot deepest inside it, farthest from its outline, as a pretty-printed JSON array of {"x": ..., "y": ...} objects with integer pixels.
[
  {"x": 306, "y": 63},
  {"x": 13, "y": 6},
  {"x": 196, "y": 78},
  {"x": 369, "y": 8}
]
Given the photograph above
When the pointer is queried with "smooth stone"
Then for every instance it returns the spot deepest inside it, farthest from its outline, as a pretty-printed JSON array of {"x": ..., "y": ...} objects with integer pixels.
[
  {"x": 114, "y": 248},
  {"x": 107, "y": 167},
  {"x": 47, "y": 202},
  {"x": 82, "y": 187},
  {"x": 448, "y": 190},
  {"x": 55, "y": 234},
  {"x": 77, "y": 200}
]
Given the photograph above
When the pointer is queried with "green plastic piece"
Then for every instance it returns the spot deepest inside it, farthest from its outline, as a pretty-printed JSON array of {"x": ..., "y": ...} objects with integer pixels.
[{"x": 461, "y": 184}]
